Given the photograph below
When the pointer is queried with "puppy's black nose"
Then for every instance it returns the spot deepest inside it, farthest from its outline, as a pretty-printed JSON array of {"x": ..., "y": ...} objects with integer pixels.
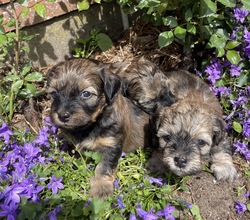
[
  {"x": 180, "y": 161},
  {"x": 64, "y": 116}
]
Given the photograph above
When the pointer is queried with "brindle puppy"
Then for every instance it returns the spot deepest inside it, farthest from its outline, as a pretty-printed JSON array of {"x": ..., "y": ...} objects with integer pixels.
[
  {"x": 89, "y": 107},
  {"x": 190, "y": 130}
]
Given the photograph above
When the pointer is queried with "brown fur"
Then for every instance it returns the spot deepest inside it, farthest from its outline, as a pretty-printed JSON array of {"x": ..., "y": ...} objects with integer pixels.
[
  {"x": 89, "y": 107},
  {"x": 191, "y": 129}
]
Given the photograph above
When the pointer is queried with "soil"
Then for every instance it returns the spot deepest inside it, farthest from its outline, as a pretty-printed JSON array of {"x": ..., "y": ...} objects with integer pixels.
[{"x": 216, "y": 200}]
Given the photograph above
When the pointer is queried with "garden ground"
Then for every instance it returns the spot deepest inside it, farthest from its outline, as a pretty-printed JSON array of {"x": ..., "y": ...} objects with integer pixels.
[{"x": 216, "y": 200}]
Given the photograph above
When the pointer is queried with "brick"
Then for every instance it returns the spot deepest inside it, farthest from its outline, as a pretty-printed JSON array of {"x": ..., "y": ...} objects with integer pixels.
[{"x": 53, "y": 9}]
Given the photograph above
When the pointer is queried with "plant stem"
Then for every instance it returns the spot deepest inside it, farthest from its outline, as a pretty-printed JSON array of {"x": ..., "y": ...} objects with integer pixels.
[
  {"x": 17, "y": 39},
  {"x": 17, "y": 57}
]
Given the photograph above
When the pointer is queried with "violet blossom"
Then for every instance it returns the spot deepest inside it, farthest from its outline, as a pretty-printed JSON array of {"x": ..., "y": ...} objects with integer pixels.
[
  {"x": 167, "y": 212},
  {"x": 5, "y": 132},
  {"x": 146, "y": 215},
  {"x": 55, "y": 184},
  {"x": 240, "y": 14},
  {"x": 240, "y": 207}
]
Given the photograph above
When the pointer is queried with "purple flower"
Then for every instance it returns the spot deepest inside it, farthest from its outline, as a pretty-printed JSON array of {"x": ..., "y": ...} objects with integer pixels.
[
  {"x": 52, "y": 214},
  {"x": 12, "y": 193},
  {"x": 5, "y": 132},
  {"x": 235, "y": 70},
  {"x": 132, "y": 217},
  {"x": 55, "y": 184},
  {"x": 240, "y": 14},
  {"x": 222, "y": 91},
  {"x": 9, "y": 211},
  {"x": 42, "y": 138},
  {"x": 157, "y": 181},
  {"x": 240, "y": 207},
  {"x": 247, "y": 194},
  {"x": 167, "y": 212},
  {"x": 246, "y": 35},
  {"x": 246, "y": 128},
  {"x": 214, "y": 71},
  {"x": 247, "y": 50},
  {"x": 187, "y": 204},
  {"x": 120, "y": 203},
  {"x": 242, "y": 148},
  {"x": 146, "y": 215},
  {"x": 116, "y": 184}
]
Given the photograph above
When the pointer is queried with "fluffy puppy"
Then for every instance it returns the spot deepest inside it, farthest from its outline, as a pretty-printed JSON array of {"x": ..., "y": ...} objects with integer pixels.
[
  {"x": 89, "y": 107},
  {"x": 146, "y": 84},
  {"x": 190, "y": 130}
]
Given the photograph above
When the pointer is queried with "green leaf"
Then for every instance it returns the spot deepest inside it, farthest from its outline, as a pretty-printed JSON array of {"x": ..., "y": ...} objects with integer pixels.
[
  {"x": 188, "y": 15},
  {"x": 98, "y": 205},
  {"x": 217, "y": 41},
  {"x": 233, "y": 56},
  {"x": 34, "y": 77},
  {"x": 3, "y": 39},
  {"x": 84, "y": 5},
  {"x": 165, "y": 38},
  {"x": 104, "y": 42},
  {"x": 196, "y": 212},
  {"x": 40, "y": 9},
  {"x": 170, "y": 21},
  {"x": 248, "y": 206},
  {"x": 207, "y": 8},
  {"x": 180, "y": 33},
  {"x": 237, "y": 127},
  {"x": 243, "y": 79},
  {"x": 232, "y": 44},
  {"x": 24, "y": 13},
  {"x": 191, "y": 29},
  {"x": 246, "y": 4},
  {"x": 220, "y": 52},
  {"x": 228, "y": 3},
  {"x": 17, "y": 85}
]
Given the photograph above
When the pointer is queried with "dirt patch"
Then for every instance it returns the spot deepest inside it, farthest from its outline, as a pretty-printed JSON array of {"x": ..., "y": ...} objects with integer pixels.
[{"x": 215, "y": 200}]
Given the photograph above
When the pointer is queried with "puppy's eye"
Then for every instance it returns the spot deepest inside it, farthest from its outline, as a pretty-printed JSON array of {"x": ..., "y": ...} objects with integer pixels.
[
  {"x": 166, "y": 138},
  {"x": 201, "y": 143},
  {"x": 54, "y": 94},
  {"x": 86, "y": 95}
]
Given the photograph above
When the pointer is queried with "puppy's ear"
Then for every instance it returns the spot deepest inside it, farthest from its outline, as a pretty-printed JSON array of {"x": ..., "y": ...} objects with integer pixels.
[
  {"x": 112, "y": 83},
  {"x": 52, "y": 72},
  {"x": 221, "y": 141},
  {"x": 154, "y": 124},
  {"x": 218, "y": 131}
]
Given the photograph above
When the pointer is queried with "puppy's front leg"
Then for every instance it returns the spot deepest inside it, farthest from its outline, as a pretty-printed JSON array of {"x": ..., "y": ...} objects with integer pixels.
[
  {"x": 221, "y": 161},
  {"x": 101, "y": 185}
]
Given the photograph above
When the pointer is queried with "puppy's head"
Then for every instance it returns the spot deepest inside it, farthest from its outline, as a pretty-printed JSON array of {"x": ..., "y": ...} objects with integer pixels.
[
  {"x": 147, "y": 85},
  {"x": 80, "y": 89},
  {"x": 185, "y": 132}
]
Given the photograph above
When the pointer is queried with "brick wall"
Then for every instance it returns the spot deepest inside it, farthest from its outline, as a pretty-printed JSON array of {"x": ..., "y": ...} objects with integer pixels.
[{"x": 54, "y": 9}]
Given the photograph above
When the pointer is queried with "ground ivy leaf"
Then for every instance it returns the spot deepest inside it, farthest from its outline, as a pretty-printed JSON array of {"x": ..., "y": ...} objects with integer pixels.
[
  {"x": 84, "y": 5},
  {"x": 40, "y": 9},
  {"x": 180, "y": 33},
  {"x": 243, "y": 79},
  {"x": 228, "y": 3},
  {"x": 232, "y": 44},
  {"x": 233, "y": 56},
  {"x": 246, "y": 4},
  {"x": 104, "y": 42},
  {"x": 196, "y": 212},
  {"x": 208, "y": 8},
  {"x": 237, "y": 126},
  {"x": 165, "y": 38}
]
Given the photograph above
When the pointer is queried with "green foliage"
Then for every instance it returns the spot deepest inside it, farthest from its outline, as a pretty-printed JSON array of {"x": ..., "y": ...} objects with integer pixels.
[
  {"x": 90, "y": 44},
  {"x": 191, "y": 23}
]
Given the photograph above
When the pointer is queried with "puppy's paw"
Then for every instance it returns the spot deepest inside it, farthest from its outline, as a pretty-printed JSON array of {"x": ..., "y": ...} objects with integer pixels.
[
  {"x": 101, "y": 187},
  {"x": 224, "y": 171},
  {"x": 155, "y": 164}
]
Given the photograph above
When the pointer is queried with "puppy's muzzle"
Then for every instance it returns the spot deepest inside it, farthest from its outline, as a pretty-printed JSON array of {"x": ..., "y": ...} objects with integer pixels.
[
  {"x": 64, "y": 116},
  {"x": 180, "y": 162}
]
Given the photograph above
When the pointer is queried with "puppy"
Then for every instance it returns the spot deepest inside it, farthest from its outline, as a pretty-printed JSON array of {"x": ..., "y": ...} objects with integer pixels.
[
  {"x": 89, "y": 107},
  {"x": 146, "y": 84},
  {"x": 186, "y": 123}
]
